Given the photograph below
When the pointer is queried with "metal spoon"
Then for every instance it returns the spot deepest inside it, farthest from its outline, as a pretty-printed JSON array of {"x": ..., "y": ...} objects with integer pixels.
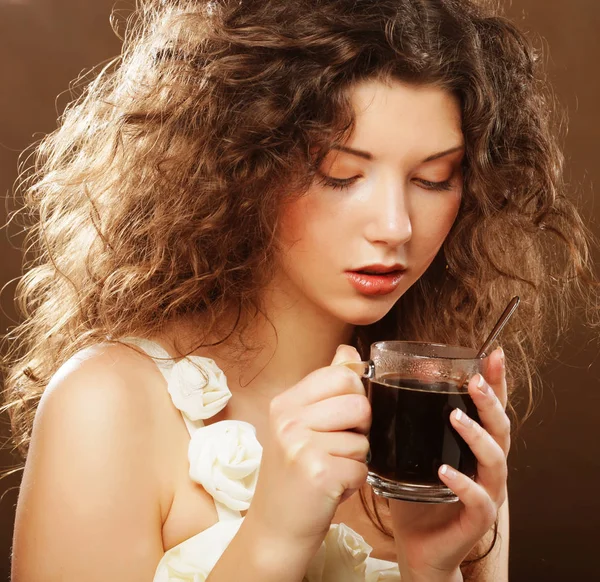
[{"x": 502, "y": 321}]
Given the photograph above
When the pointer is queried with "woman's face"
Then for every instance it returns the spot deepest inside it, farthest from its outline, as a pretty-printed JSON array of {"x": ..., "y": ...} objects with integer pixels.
[{"x": 384, "y": 201}]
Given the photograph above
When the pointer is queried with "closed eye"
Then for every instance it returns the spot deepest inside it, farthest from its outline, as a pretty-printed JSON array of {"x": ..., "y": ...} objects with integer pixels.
[
  {"x": 341, "y": 183},
  {"x": 337, "y": 183},
  {"x": 437, "y": 186}
]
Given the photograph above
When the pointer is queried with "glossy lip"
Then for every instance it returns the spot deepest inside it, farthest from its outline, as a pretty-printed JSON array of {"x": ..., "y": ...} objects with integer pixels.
[
  {"x": 380, "y": 284},
  {"x": 380, "y": 268}
]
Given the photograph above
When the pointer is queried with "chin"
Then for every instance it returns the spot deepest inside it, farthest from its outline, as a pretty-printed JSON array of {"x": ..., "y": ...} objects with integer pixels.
[
  {"x": 365, "y": 314},
  {"x": 363, "y": 320}
]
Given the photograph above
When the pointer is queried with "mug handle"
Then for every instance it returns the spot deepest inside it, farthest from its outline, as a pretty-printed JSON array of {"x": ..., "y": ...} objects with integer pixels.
[{"x": 363, "y": 369}]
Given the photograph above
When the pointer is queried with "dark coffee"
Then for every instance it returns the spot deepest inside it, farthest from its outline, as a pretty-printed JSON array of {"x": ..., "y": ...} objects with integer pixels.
[{"x": 411, "y": 434}]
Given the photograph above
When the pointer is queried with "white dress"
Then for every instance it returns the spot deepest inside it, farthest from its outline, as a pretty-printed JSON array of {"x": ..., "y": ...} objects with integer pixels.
[{"x": 225, "y": 459}]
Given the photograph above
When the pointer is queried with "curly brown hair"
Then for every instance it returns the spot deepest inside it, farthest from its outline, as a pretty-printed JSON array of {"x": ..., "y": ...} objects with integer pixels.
[{"x": 158, "y": 195}]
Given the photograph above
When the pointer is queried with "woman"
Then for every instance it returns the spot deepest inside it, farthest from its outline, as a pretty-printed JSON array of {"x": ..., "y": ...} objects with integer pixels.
[{"x": 211, "y": 214}]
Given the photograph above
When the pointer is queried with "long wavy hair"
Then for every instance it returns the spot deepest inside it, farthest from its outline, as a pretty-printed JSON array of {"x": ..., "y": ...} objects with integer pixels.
[{"x": 158, "y": 195}]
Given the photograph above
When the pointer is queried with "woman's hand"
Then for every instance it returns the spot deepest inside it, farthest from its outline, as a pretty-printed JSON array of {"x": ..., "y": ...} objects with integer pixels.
[
  {"x": 432, "y": 540},
  {"x": 314, "y": 457}
]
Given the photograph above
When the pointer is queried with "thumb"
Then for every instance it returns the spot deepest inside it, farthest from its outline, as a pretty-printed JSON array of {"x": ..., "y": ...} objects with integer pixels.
[{"x": 345, "y": 354}]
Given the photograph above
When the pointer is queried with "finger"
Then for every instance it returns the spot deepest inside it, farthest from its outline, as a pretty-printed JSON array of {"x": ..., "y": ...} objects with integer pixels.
[
  {"x": 495, "y": 375},
  {"x": 319, "y": 385},
  {"x": 346, "y": 412},
  {"x": 492, "y": 414},
  {"x": 347, "y": 444},
  {"x": 332, "y": 475},
  {"x": 480, "y": 510},
  {"x": 345, "y": 353},
  {"x": 348, "y": 356},
  {"x": 350, "y": 474},
  {"x": 491, "y": 460}
]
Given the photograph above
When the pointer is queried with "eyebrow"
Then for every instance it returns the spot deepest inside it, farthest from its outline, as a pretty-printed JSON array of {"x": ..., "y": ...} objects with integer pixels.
[{"x": 369, "y": 156}]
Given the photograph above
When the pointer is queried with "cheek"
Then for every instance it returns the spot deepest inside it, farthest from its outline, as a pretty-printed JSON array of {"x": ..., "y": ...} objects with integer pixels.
[
  {"x": 305, "y": 223},
  {"x": 447, "y": 217},
  {"x": 435, "y": 224},
  {"x": 292, "y": 224}
]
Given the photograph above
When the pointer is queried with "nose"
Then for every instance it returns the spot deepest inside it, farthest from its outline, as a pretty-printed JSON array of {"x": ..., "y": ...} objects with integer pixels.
[{"x": 388, "y": 214}]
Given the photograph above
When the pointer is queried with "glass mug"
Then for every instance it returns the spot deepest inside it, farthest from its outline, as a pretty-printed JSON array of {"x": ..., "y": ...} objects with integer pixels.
[{"x": 413, "y": 387}]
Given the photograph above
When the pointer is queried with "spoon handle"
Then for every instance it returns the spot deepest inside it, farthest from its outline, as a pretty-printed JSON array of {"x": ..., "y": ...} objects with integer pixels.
[{"x": 510, "y": 309}]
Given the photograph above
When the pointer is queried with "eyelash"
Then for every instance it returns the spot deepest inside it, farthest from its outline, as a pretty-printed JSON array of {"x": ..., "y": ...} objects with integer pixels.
[{"x": 338, "y": 184}]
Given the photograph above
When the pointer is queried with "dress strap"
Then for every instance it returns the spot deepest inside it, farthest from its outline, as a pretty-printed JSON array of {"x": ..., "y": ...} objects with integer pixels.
[
  {"x": 160, "y": 356},
  {"x": 198, "y": 388},
  {"x": 165, "y": 363},
  {"x": 225, "y": 513}
]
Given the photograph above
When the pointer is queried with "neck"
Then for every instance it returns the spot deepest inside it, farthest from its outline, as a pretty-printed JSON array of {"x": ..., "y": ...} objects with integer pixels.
[
  {"x": 298, "y": 338},
  {"x": 279, "y": 347}
]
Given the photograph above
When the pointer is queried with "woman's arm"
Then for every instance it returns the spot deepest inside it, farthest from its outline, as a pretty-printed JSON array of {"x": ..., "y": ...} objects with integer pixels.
[
  {"x": 89, "y": 507},
  {"x": 494, "y": 567},
  {"x": 432, "y": 541},
  {"x": 256, "y": 556}
]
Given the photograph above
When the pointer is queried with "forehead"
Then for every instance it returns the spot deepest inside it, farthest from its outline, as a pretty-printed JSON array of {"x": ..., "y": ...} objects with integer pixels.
[{"x": 397, "y": 117}]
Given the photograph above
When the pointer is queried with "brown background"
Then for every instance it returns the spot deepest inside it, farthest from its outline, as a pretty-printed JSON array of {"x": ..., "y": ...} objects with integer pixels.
[{"x": 555, "y": 461}]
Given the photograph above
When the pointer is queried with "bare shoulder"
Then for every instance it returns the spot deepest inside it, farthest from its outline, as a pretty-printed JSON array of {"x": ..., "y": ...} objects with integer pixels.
[
  {"x": 114, "y": 375},
  {"x": 91, "y": 500},
  {"x": 110, "y": 391}
]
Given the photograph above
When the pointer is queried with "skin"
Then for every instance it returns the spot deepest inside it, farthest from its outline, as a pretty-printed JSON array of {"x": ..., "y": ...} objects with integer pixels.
[
  {"x": 386, "y": 214},
  {"x": 109, "y": 445}
]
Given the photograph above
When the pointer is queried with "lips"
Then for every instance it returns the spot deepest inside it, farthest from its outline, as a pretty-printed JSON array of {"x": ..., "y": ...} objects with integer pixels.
[
  {"x": 379, "y": 269},
  {"x": 375, "y": 283},
  {"x": 373, "y": 272}
]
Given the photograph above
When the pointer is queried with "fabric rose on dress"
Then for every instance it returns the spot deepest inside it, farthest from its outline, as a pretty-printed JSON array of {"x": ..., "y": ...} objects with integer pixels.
[
  {"x": 382, "y": 571},
  {"x": 346, "y": 553},
  {"x": 225, "y": 459},
  {"x": 193, "y": 559},
  {"x": 198, "y": 387},
  {"x": 344, "y": 557}
]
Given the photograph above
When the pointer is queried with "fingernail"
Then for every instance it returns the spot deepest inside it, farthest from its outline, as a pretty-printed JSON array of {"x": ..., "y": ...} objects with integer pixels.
[
  {"x": 463, "y": 418},
  {"x": 448, "y": 472},
  {"x": 483, "y": 387},
  {"x": 502, "y": 357}
]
